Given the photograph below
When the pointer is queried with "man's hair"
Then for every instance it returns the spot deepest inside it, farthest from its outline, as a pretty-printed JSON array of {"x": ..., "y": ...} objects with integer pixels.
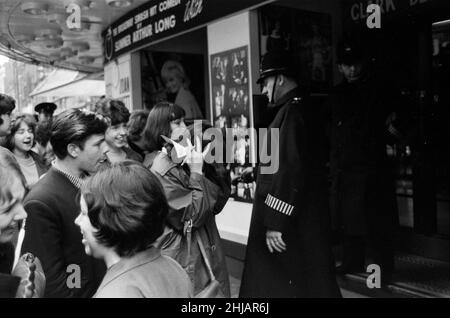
[
  {"x": 43, "y": 133},
  {"x": 114, "y": 110},
  {"x": 7, "y": 105},
  {"x": 75, "y": 126},
  {"x": 127, "y": 205},
  {"x": 136, "y": 124},
  {"x": 29, "y": 120},
  {"x": 9, "y": 170},
  {"x": 158, "y": 123}
]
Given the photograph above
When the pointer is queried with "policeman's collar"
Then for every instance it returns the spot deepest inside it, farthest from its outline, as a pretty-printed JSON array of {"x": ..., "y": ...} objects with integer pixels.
[{"x": 296, "y": 92}]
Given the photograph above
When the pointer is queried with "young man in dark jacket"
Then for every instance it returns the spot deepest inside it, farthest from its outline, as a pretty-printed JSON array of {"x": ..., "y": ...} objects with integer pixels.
[
  {"x": 289, "y": 248},
  {"x": 52, "y": 206},
  {"x": 7, "y": 105}
]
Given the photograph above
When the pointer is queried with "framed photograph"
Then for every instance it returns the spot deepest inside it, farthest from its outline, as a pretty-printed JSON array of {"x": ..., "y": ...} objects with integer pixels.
[
  {"x": 231, "y": 110},
  {"x": 307, "y": 36}
]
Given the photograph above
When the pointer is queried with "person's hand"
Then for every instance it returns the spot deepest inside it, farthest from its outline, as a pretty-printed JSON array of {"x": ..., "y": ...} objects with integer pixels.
[
  {"x": 195, "y": 156},
  {"x": 275, "y": 241},
  {"x": 32, "y": 278}
]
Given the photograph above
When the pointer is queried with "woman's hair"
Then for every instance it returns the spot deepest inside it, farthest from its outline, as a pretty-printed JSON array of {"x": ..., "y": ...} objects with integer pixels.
[
  {"x": 136, "y": 124},
  {"x": 158, "y": 123},
  {"x": 9, "y": 170},
  {"x": 127, "y": 205},
  {"x": 113, "y": 109},
  {"x": 29, "y": 120},
  {"x": 174, "y": 68}
]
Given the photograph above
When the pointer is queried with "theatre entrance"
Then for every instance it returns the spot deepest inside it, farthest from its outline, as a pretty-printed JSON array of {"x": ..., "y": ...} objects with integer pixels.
[{"x": 413, "y": 51}]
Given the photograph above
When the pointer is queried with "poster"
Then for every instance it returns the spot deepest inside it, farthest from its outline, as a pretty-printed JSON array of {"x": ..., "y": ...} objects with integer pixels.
[
  {"x": 307, "y": 36},
  {"x": 231, "y": 110}
]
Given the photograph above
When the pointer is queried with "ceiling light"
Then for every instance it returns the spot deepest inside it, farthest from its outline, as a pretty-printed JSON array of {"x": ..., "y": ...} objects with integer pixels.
[
  {"x": 67, "y": 52},
  {"x": 48, "y": 33},
  {"x": 55, "y": 56},
  {"x": 51, "y": 43},
  {"x": 119, "y": 3},
  {"x": 57, "y": 18},
  {"x": 34, "y": 8},
  {"x": 81, "y": 46},
  {"x": 85, "y": 60},
  {"x": 24, "y": 38}
]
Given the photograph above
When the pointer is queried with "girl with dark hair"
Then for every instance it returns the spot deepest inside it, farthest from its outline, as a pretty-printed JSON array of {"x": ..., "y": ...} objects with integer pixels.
[
  {"x": 20, "y": 141},
  {"x": 123, "y": 209},
  {"x": 162, "y": 120},
  {"x": 194, "y": 198}
]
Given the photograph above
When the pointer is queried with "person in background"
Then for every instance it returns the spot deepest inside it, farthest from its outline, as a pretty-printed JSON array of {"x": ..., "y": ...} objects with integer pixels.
[
  {"x": 177, "y": 85},
  {"x": 43, "y": 146},
  {"x": 7, "y": 105},
  {"x": 22, "y": 281},
  {"x": 78, "y": 140},
  {"x": 122, "y": 235},
  {"x": 363, "y": 196},
  {"x": 116, "y": 134},
  {"x": 194, "y": 196},
  {"x": 45, "y": 111},
  {"x": 136, "y": 126},
  {"x": 20, "y": 141}
]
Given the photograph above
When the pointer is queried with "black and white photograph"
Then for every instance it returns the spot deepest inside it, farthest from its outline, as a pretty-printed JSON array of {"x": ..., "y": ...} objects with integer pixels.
[
  {"x": 231, "y": 110},
  {"x": 247, "y": 152}
]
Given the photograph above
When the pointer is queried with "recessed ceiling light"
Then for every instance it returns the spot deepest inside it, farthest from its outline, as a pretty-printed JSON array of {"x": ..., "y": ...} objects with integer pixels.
[
  {"x": 48, "y": 33},
  {"x": 86, "y": 59},
  {"x": 57, "y": 18},
  {"x": 55, "y": 56},
  {"x": 24, "y": 38},
  {"x": 81, "y": 46},
  {"x": 51, "y": 43},
  {"x": 34, "y": 7},
  {"x": 119, "y": 3},
  {"x": 67, "y": 52}
]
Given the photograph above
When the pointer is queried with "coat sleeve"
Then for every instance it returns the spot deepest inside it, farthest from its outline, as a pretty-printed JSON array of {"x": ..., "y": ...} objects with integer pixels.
[
  {"x": 196, "y": 201},
  {"x": 43, "y": 238},
  {"x": 8, "y": 285},
  {"x": 217, "y": 174},
  {"x": 287, "y": 184}
]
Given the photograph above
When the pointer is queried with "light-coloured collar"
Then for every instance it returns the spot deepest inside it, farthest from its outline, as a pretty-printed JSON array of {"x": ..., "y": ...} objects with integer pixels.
[{"x": 77, "y": 182}]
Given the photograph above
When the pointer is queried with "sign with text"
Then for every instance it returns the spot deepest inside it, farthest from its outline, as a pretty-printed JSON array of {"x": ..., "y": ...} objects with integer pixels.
[
  {"x": 158, "y": 19},
  {"x": 356, "y": 10}
]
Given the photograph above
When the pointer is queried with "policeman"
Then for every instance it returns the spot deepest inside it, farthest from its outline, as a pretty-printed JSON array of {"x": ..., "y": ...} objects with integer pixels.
[
  {"x": 289, "y": 251},
  {"x": 45, "y": 111},
  {"x": 363, "y": 194}
]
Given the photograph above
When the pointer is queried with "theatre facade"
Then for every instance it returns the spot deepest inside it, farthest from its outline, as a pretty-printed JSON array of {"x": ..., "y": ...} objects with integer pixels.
[{"x": 220, "y": 44}]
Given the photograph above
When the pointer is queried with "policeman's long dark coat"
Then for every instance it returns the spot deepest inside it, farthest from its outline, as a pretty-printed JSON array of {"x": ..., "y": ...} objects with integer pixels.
[{"x": 293, "y": 201}]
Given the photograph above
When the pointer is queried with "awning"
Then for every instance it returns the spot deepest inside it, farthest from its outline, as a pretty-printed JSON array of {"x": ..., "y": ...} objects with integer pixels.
[{"x": 64, "y": 83}]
